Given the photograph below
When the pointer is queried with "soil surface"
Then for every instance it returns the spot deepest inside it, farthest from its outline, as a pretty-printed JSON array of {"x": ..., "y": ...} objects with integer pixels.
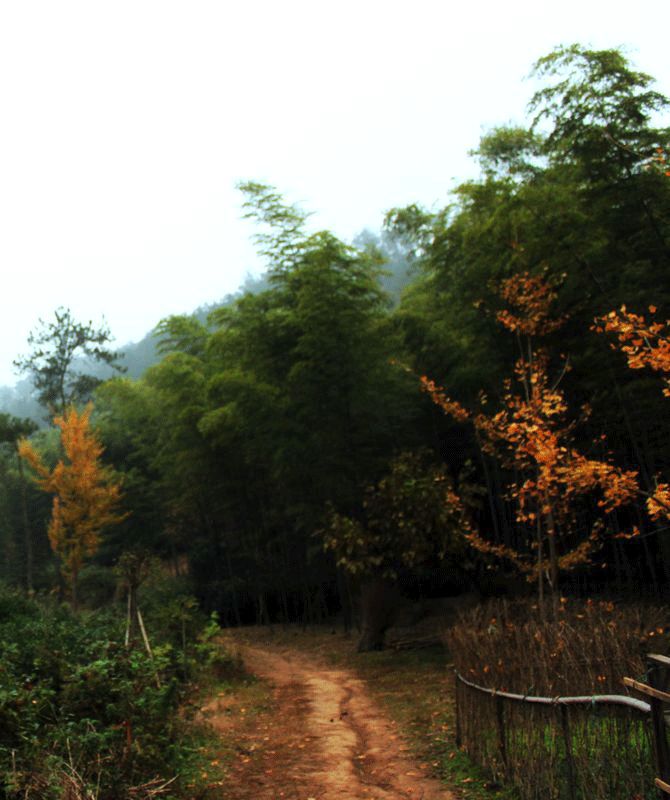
[{"x": 323, "y": 739}]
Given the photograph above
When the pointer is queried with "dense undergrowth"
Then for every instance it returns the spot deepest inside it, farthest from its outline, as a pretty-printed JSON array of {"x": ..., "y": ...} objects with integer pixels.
[{"x": 84, "y": 716}]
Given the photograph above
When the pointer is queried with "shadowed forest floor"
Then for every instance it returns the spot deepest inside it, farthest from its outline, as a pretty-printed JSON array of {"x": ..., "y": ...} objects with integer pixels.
[{"x": 322, "y": 722}]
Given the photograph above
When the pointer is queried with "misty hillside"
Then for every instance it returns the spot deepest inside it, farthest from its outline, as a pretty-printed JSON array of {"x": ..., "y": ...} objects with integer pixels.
[{"x": 137, "y": 357}]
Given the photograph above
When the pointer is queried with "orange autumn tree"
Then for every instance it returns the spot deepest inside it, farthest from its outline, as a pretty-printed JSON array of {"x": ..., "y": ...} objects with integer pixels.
[
  {"x": 532, "y": 436},
  {"x": 646, "y": 345},
  {"x": 85, "y": 495}
]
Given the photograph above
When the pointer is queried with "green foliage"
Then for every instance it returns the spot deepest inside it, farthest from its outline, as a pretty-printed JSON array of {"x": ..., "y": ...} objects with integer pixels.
[
  {"x": 235, "y": 441},
  {"x": 598, "y": 109},
  {"x": 96, "y": 587},
  {"x": 412, "y": 225},
  {"x": 55, "y": 346},
  {"x": 73, "y": 697},
  {"x": 411, "y": 516},
  {"x": 283, "y": 235},
  {"x": 14, "y": 428},
  {"x": 181, "y": 333},
  {"x": 510, "y": 152}
]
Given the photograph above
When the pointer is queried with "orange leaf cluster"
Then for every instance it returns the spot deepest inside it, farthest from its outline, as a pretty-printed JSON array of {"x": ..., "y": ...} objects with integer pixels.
[
  {"x": 581, "y": 554},
  {"x": 531, "y": 298},
  {"x": 85, "y": 496},
  {"x": 645, "y": 344},
  {"x": 658, "y": 505},
  {"x": 531, "y": 436},
  {"x": 438, "y": 396},
  {"x": 659, "y": 162},
  {"x": 500, "y": 551},
  {"x": 533, "y": 439}
]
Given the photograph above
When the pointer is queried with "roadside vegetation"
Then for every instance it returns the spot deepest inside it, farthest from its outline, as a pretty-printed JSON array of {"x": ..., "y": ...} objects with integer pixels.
[{"x": 83, "y": 715}]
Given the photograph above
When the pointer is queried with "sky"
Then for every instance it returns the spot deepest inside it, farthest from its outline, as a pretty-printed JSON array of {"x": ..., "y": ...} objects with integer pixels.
[{"x": 126, "y": 126}]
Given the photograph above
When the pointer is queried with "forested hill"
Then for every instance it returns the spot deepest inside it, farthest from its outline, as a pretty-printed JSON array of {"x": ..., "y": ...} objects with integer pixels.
[
  {"x": 137, "y": 357},
  {"x": 394, "y": 277}
]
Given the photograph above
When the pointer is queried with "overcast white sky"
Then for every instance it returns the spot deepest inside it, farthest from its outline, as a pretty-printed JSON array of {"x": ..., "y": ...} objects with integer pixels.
[{"x": 126, "y": 125}]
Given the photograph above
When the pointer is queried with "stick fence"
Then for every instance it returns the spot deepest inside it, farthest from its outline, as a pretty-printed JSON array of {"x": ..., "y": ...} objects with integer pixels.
[{"x": 587, "y": 747}]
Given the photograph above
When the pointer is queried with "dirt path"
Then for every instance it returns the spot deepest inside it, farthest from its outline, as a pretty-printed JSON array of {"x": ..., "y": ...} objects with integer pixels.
[{"x": 324, "y": 740}]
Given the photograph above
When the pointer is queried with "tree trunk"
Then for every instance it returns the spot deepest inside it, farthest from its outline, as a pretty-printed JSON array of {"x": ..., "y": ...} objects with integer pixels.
[
  {"x": 540, "y": 574},
  {"x": 553, "y": 554},
  {"x": 379, "y": 601},
  {"x": 231, "y": 577},
  {"x": 73, "y": 590},
  {"x": 27, "y": 532},
  {"x": 133, "y": 632},
  {"x": 345, "y": 604},
  {"x": 489, "y": 490}
]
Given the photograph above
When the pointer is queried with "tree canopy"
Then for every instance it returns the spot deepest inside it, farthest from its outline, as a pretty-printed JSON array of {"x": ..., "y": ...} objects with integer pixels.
[{"x": 59, "y": 350}]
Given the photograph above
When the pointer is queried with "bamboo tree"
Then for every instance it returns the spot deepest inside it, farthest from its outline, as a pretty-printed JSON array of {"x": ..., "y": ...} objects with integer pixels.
[{"x": 12, "y": 430}]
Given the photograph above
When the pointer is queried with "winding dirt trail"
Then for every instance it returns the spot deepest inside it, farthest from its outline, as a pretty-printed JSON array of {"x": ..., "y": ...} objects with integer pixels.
[{"x": 325, "y": 740}]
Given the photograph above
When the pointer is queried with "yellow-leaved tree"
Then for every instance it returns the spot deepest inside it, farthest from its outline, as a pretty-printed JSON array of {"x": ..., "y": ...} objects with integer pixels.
[{"x": 86, "y": 496}]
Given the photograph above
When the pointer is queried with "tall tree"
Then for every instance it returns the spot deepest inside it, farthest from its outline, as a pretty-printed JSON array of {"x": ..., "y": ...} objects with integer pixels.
[
  {"x": 533, "y": 436},
  {"x": 410, "y": 518},
  {"x": 56, "y": 348},
  {"x": 12, "y": 430},
  {"x": 269, "y": 412}
]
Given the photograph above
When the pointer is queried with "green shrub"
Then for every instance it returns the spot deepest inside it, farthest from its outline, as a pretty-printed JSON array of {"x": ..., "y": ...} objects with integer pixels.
[
  {"x": 78, "y": 707},
  {"x": 97, "y": 586}
]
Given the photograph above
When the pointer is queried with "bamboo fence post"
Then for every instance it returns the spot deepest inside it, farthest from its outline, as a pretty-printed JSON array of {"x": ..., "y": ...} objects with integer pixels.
[
  {"x": 500, "y": 720},
  {"x": 661, "y": 753},
  {"x": 569, "y": 761},
  {"x": 459, "y": 739}
]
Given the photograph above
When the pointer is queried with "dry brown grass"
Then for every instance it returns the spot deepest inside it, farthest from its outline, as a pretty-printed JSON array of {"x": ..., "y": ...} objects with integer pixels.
[{"x": 585, "y": 647}]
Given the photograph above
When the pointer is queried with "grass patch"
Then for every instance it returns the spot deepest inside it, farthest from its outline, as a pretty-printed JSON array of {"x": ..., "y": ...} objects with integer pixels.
[
  {"x": 415, "y": 687},
  {"x": 220, "y": 710}
]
